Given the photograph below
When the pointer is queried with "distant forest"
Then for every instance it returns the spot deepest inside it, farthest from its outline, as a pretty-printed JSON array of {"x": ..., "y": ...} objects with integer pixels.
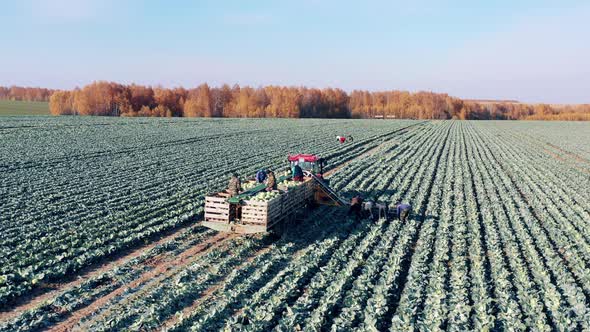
[{"x": 113, "y": 99}]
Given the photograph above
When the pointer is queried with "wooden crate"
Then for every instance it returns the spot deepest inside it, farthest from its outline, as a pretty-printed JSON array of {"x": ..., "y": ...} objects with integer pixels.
[
  {"x": 262, "y": 213},
  {"x": 277, "y": 210},
  {"x": 295, "y": 197},
  {"x": 217, "y": 209},
  {"x": 291, "y": 197},
  {"x": 304, "y": 192},
  {"x": 308, "y": 190}
]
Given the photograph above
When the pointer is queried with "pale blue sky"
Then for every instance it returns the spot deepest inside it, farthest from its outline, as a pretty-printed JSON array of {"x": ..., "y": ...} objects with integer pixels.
[{"x": 534, "y": 51}]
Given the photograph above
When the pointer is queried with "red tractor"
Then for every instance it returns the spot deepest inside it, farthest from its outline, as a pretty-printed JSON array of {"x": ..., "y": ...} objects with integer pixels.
[
  {"x": 313, "y": 168},
  {"x": 310, "y": 163},
  {"x": 343, "y": 139}
]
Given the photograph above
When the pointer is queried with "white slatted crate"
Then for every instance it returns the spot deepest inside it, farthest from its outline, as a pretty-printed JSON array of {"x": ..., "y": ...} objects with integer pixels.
[
  {"x": 276, "y": 210},
  {"x": 291, "y": 198},
  {"x": 262, "y": 213},
  {"x": 217, "y": 209},
  {"x": 295, "y": 197}
]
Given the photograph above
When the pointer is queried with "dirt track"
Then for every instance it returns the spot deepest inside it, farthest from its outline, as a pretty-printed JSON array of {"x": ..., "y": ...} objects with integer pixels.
[
  {"x": 37, "y": 299},
  {"x": 160, "y": 272}
]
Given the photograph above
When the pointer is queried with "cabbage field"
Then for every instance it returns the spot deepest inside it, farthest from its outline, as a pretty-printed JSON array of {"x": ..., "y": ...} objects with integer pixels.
[{"x": 99, "y": 227}]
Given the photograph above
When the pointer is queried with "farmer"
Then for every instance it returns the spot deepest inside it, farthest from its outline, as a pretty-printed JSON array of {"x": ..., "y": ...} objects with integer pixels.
[
  {"x": 260, "y": 176},
  {"x": 382, "y": 210},
  {"x": 403, "y": 210},
  {"x": 234, "y": 186},
  {"x": 356, "y": 204},
  {"x": 271, "y": 181},
  {"x": 297, "y": 173},
  {"x": 368, "y": 208}
]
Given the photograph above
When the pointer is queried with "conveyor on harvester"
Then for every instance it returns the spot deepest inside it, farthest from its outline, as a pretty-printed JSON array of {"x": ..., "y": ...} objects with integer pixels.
[{"x": 329, "y": 192}]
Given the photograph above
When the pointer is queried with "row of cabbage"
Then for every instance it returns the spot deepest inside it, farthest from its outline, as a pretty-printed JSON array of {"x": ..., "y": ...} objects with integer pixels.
[
  {"x": 526, "y": 258},
  {"x": 61, "y": 211},
  {"x": 62, "y": 305},
  {"x": 568, "y": 136},
  {"x": 546, "y": 237}
]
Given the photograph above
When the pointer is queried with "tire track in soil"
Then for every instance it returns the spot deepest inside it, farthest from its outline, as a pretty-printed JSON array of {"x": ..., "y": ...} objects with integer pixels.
[
  {"x": 209, "y": 292},
  {"x": 570, "y": 158},
  {"x": 161, "y": 271},
  {"x": 566, "y": 160},
  {"x": 40, "y": 296},
  {"x": 570, "y": 154}
]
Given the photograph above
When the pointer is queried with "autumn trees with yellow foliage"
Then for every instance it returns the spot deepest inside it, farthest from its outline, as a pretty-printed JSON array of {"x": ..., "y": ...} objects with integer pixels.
[
  {"x": 113, "y": 99},
  {"x": 25, "y": 93}
]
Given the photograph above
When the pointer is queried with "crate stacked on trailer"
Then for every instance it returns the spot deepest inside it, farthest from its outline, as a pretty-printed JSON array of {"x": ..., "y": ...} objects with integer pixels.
[{"x": 218, "y": 209}]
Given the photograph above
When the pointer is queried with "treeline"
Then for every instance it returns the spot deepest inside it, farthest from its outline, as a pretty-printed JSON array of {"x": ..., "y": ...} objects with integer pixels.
[
  {"x": 25, "y": 93},
  {"x": 428, "y": 105},
  {"x": 105, "y": 98},
  {"x": 113, "y": 99},
  {"x": 520, "y": 111}
]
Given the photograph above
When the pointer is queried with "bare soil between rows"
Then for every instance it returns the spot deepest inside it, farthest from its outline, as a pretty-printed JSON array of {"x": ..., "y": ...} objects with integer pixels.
[
  {"x": 161, "y": 269},
  {"x": 49, "y": 290}
]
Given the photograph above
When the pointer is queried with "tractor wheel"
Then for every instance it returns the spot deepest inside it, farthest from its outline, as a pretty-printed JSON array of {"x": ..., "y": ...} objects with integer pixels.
[
  {"x": 310, "y": 204},
  {"x": 281, "y": 227},
  {"x": 277, "y": 231}
]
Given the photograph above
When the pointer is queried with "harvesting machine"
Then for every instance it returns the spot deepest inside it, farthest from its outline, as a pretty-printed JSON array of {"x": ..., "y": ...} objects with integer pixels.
[{"x": 245, "y": 214}]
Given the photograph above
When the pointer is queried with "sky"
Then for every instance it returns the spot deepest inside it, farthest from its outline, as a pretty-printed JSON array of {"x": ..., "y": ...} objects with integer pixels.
[{"x": 527, "y": 50}]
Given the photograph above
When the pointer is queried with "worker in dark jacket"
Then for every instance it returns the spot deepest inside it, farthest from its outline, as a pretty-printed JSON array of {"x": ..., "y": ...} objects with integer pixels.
[
  {"x": 271, "y": 181},
  {"x": 403, "y": 210},
  {"x": 260, "y": 176},
  {"x": 234, "y": 186},
  {"x": 297, "y": 173},
  {"x": 356, "y": 204}
]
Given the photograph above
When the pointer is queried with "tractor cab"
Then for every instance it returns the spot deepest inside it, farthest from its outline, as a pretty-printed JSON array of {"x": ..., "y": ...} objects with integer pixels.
[{"x": 308, "y": 162}]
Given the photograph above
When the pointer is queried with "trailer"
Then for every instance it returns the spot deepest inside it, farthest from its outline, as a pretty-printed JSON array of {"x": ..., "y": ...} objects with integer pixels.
[{"x": 244, "y": 214}]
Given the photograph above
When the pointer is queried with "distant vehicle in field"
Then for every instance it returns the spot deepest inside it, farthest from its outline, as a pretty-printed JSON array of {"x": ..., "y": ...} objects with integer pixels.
[{"x": 344, "y": 139}]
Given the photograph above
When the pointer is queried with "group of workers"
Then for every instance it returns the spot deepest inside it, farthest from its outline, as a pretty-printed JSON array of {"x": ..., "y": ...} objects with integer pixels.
[
  {"x": 357, "y": 204},
  {"x": 262, "y": 176},
  {"x": 268, "y": 177},
  {"x": 357, "y": 207}
]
